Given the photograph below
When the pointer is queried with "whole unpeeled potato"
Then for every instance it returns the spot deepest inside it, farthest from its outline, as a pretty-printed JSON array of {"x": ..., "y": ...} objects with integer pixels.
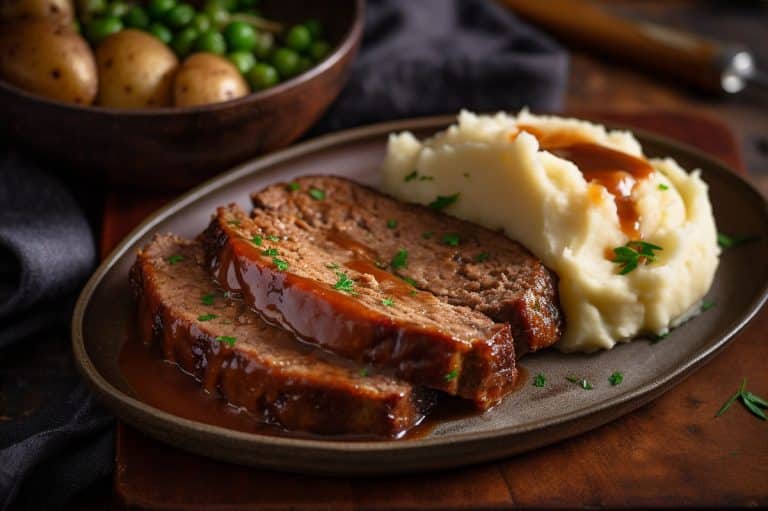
[
  {"x": 16, "y": 10},
  {"x": 46, "y": 58},
  {"x": 135, "y": 71},
  {"x": 207, "y": 78}
]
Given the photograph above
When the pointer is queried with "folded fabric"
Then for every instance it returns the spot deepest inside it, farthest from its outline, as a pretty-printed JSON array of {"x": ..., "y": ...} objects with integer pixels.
[{"x": 431, "y": 57}]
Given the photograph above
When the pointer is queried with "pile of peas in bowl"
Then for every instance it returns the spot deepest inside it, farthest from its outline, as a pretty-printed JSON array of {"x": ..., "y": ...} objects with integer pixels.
[{"x": 264, "y": 51}]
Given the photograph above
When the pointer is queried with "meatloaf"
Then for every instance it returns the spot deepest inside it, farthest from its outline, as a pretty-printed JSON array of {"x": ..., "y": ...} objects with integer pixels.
[
  {"x": 261, "y": 368},
  {"x": 332, "y": 290},
  {"x": 457, "y": 261}
]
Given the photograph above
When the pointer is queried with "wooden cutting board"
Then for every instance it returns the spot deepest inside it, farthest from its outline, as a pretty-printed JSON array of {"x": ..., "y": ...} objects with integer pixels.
[{"x": 670, "y": 453}]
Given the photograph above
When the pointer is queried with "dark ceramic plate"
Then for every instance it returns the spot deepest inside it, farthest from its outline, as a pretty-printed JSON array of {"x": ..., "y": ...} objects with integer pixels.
[{"x": 529, "y": 418}]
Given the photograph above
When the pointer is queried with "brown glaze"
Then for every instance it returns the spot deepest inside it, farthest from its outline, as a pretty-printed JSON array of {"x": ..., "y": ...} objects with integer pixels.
[
  {"x": 262, "y": 369},
  {"x": 175, "y": 148},
  {"x": 616, "y": 171},
  {"x": 481, "y": 369}
]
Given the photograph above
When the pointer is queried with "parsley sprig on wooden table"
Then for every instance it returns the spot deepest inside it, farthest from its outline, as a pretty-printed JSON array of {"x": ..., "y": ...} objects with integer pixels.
[{"x": 751, "y": 402}]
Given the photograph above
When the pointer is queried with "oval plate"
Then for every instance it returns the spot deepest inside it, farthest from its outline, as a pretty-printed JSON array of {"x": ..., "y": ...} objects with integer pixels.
[{"x": 529, "y": 418}]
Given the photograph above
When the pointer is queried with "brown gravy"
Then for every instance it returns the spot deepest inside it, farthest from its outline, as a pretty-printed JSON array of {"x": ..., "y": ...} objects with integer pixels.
[
  {"x": 165, "y": 386},
  {"x": 618, "y": 172}
]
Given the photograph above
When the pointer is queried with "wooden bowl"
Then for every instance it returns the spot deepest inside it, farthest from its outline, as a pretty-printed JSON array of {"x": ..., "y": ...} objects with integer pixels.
[{"x": 175, "y": 148}]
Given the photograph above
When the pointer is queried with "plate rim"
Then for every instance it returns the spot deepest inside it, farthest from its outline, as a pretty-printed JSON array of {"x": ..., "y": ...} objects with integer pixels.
[{"x": 649, "y": 391}]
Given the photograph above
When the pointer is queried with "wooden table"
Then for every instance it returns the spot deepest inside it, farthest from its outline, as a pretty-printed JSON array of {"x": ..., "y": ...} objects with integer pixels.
[{"x": 671, "y": 453}]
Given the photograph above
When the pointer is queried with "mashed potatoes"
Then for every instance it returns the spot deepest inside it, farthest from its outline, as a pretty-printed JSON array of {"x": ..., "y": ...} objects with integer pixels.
[{"x": 505, "y": 181}]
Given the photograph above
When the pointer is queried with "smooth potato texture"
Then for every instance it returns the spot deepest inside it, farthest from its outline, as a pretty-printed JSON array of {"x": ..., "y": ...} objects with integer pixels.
[
  {"x": 206, "y": 78},
  {"x": 135, "y": 71},
  {"x": 45, "y": 58},
  {"x": 16, "y": 10}
]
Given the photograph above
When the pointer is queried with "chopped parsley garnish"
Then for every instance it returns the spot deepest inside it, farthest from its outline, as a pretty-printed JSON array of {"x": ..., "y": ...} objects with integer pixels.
[
  {"x": 257, "y": 240},
  {"x": 234, "y": 222},
  {"x": 316, "y": 193},
  {"x": 751, "y": 402},
  {"x": 293, "y": 186},
  {"x": 387, "y": 302},
  {"x": 452, "y": 375},
  {"x": 451, "y": 239},
  {"x": 616, "y": 378},
  {"x": 270, "y": 252},
  {"x": 412, "y": 292},
  {"x": 726, "y": 241},
  {"x": 426, "y": 178},
  {"x": 332, "y": 266},
  {"x": 410, "y": 177},
  {"x": 273, "y": 237},
  {"x": 400, "y": 260},
  {"x": 482, "y": 256},
  {"x": 633, "y": 253},
  {"x": 408, "y": 280},
  {"x": 540, "y": 380},
  {"x": 364, "y": 371},
  {"x": 281, "y": 264},
  {"x": 175, "y": 259},
  {"x": 230, "y": 341},
  {"x": 660, "y": 337},
  {"x": 662, "y": 186},
  {"x": 391, "y": 223},
  {"x": 581, "y": 382},
  {"x": 443, "y": 201},
  {"x": 206, "y": 317},
  {"x": 207, "y": 299},
  {"x": 427, "y": 234},
  {"x": 706, "y": 305},
  {"x": 344, "y": 283}
]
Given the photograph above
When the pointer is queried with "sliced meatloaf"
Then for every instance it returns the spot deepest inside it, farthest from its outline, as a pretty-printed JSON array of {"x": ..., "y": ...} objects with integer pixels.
[
  {"x": 457, "y": 261},
  {"x": 264, "y": 369},
  {"x": 325, "y": 286}
]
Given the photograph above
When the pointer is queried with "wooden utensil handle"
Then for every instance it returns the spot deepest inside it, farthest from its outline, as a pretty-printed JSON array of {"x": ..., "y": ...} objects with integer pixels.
[{"x": 695, "y": 60}]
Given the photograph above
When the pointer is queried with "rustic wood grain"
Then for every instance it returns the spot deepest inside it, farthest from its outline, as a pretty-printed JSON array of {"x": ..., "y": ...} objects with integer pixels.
[{"x": 670, "y": 453}]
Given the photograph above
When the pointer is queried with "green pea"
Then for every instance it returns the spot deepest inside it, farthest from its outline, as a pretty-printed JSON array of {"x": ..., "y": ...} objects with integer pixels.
[
  {"x": 240, "y": 36},
  {"x": 200, "y": 22},
  {"x": 315, "y": 28},
  {"x": 99, "y": 29},
  {"x": 183, "y": 42},
  {"x": 95, "y": 6},
  {"x": 180, "y": 16},
  {"x": 319, "y": 50},
  {"x": 286, "y": 61},
  {"x": 298, "y": 38},
  {"x": 217, "y": 15},
  {"x": 158, "y": 8},
  {"x": 161, "y": 32},
  {"x": 264, "y": 43},
  {"x": 136, "y": 17},
  {"x": 243, "y": 61},
  {"x": 263, "y": 76},
  {"x": 116, "y": 9},
  {"x": 211, "y": 41}
]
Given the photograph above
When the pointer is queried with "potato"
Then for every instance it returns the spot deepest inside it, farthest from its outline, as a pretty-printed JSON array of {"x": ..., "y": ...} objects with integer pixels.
[
  {"x": 16, "y": 10},
  {"x": 135, "y": 71},
  {"x": 43, "y": 57},
  {"x": 207, "y": 78}
]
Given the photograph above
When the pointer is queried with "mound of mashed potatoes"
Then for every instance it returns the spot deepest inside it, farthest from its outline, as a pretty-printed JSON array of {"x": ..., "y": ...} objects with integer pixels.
[{"x": 505, "y": 180}]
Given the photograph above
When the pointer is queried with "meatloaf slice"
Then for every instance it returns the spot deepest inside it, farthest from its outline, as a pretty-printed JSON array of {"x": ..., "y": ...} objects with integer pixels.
[
  {"x": 309, "y": 281},
  {"x": 455, "y": 260},
  {"x": 257, "y": 366}
]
